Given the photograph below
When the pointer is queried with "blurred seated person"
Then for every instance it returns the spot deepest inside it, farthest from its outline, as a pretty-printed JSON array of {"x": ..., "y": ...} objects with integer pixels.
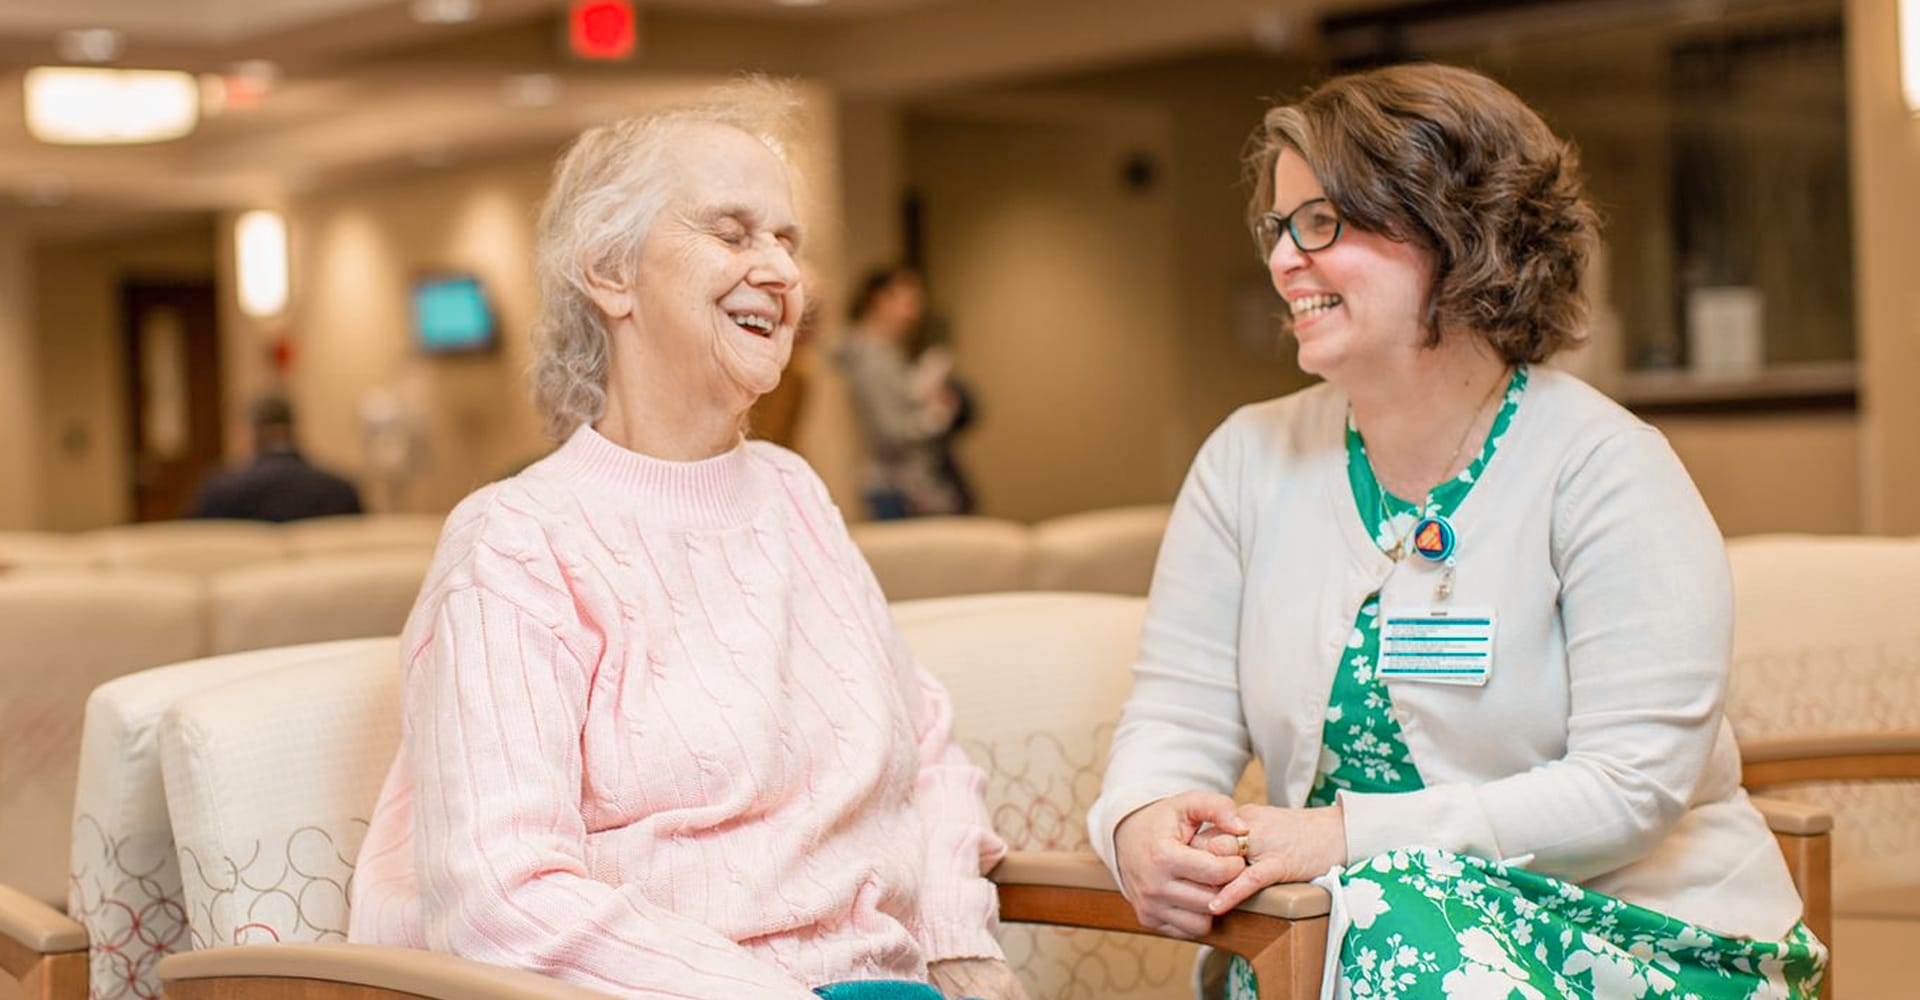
[
  {"x": 661, "y": 736},
  {"x": 906, "y": 411},
  {"x": 277, "y": 484}
]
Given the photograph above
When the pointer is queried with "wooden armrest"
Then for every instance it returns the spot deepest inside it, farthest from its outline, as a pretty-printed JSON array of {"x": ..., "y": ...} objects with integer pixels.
[
  {"x": 1282, "y": 930},
  {"x": 41, "y": 948},
  {"x": 1795, "y": 819},
  {"x": 1831, "y": 757},
  {"x": 357, "y": 971}
]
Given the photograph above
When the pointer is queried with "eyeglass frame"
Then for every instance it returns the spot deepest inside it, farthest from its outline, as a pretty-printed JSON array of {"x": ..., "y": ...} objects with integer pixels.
[{"x": 1284, "y": 224}]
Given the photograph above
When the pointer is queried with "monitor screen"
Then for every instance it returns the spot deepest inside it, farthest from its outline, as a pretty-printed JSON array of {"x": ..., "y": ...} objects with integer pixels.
[{"x": 451, "y": 314}]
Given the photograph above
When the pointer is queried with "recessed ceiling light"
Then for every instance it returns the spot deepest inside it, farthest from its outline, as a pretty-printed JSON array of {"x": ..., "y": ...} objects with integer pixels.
[
  {"x": 445, "y": 11},
  {"x": 89, "y": 45},
  {"x": 801, "y": 3},
  {"x": 92, "y": 105}
]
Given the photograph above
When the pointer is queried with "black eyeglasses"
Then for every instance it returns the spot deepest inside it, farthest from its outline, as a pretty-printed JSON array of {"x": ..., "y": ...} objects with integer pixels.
[{"x": 1314, "y": 225}]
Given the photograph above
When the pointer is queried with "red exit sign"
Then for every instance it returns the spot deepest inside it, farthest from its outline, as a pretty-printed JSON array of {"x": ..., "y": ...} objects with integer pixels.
[{"x": 601, "y": 29}]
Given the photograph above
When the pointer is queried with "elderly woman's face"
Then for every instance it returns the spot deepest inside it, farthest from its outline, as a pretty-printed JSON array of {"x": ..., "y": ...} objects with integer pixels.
[
  {"x": 717, "y": 291},
  {"x": 1354, "y": 302}
]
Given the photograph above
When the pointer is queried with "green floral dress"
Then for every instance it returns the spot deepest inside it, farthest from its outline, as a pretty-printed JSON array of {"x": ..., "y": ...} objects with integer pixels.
[{"x": 1463, "y": 927}]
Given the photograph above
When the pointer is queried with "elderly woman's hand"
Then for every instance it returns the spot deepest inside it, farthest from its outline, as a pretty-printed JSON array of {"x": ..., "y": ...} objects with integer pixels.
[
  {"x": 1169, "y": 877},
  {"x": 984, "y": 978},
  {"x": 1283, "y": 845}
]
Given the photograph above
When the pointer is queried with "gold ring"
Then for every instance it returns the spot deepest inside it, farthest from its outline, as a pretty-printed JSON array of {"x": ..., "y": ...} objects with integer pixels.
[{"x": 1244, "y": 843}]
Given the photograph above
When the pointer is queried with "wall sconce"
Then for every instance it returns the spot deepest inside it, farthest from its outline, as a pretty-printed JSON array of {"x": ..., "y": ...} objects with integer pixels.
[
  {"x": 1910, "y": 53},
  {"x": 260, "y": 256},
  {"x": 81, "y": 105}
]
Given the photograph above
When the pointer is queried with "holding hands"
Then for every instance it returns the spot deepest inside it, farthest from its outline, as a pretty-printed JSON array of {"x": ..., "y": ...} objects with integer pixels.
[{"x": 1187, "y": 858}]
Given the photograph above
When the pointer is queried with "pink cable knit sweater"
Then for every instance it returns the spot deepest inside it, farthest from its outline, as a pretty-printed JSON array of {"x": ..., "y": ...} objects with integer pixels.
[{"x": 662, "y": 738}]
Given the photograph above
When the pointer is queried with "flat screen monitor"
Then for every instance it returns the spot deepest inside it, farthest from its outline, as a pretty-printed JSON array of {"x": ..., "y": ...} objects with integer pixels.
[{"x": 451, "y": 314}]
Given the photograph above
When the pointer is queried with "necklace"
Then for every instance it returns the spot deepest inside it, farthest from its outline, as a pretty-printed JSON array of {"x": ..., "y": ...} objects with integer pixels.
[{"x": 1399, "y": 549}]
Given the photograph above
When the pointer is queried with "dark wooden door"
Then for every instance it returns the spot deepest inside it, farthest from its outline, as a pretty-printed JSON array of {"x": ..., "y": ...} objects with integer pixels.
[{"x": 173, "y": 391}]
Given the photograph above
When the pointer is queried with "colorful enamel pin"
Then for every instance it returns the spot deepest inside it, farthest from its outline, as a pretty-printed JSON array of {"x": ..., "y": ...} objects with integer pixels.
[{"x": 1433, "y": 538}]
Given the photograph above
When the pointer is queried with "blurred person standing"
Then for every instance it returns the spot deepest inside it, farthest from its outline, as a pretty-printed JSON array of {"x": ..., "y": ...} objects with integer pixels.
[
  {"x": 908, "y": 412},
  {"x": 277, "y": 484}
]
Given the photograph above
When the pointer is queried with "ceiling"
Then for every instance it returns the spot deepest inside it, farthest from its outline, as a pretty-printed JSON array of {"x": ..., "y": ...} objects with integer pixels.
[{"x": 364, "y": 86}]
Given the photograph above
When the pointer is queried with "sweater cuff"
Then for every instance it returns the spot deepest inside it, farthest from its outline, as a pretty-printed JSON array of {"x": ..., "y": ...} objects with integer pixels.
[
  {"x": 947, "y": 941},
  {"x": 1447, "y": 817}
]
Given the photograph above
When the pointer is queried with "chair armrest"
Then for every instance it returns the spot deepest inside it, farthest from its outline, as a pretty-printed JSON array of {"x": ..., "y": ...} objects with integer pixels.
[
  {"x": 1831, "y": 757},
  {"x": 41, "y": 948},
  {"x": 1795, "y": 819},
  {"x": 1282, "y": 930},
  {"x": 358, "y": 971}
]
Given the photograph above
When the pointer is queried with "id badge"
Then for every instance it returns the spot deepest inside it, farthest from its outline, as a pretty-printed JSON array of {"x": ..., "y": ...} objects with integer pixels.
[{"x": 1437, "y": 645}]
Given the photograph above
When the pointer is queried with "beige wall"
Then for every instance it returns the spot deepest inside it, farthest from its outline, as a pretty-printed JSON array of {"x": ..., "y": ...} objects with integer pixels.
[
  {"x": 82, "y": 376},
  {"x": 1759, "y": 473},
  {"x": 1886, "y": 235},
  {"x": 19, "y": 389},
  {"x": 1055, "y": 280}
]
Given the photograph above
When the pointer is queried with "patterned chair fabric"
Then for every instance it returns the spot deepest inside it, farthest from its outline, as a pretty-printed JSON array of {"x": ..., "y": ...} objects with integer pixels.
[
  {"x": 66, "y": 634},
  {"x": 270, "y": 781},
  {"x": 341, "y": 595},
  {"x": 124, "y": 877},
  {"x": 1100, "y": 551},
  {"x": 1037, "y": 682},
  {"x": 1826, "y": 643},
  {"x": 195, "y": 548}
]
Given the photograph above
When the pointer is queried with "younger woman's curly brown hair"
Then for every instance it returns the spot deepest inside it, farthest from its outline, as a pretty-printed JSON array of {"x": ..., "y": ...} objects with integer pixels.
[{"x": 1449, "y": 160}]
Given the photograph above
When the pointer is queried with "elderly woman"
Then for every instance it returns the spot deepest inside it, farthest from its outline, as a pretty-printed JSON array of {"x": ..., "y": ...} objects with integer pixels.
[
  {"x": 1471, "y": 616},
  {"x": 661, "y": 736}
]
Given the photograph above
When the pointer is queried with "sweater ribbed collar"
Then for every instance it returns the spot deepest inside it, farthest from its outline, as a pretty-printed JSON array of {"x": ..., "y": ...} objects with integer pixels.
[{"x": 712, "y": 492}]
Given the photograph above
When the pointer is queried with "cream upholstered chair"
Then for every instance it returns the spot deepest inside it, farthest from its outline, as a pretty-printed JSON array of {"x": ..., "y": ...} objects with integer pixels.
[
  {"x": 1104, "y": 551},
  {"x": 1825, "y": 698},
  {"x": 195, "y": 548},
  {"x": 363, "y": 533},
  {"x": 65, "y": 634},
  {"x": 270, "y": 780},
  {"x": 1037, "y": 681},
  {"x": 124, "y": 904},
  {"x": 341, "y": 595},
  {"x": 943, "y": 556}
]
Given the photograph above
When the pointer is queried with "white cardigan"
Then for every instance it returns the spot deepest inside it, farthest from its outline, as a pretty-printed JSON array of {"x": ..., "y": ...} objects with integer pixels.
[{"x": 1598, "y": 745}]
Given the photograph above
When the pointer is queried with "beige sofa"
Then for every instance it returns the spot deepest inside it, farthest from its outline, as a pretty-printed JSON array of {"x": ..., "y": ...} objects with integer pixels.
[
  {"x": 1103, "y": 551},
  {"x": 202, "y": 548}
]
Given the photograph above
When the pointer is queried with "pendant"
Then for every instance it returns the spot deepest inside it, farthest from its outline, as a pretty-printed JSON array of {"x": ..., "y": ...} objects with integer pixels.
[{"x": 1433, "y": 538}]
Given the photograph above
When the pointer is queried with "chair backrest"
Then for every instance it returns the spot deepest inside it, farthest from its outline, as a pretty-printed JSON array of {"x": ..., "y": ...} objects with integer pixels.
[
  {"x": 363, "y": 533},
  {"x": 64, "y": 635},
  {"x": 195, "y": 548},
  {"x": 1102, "y": 551},
  {"x": 270, "y": 782},
  {"x": 123, "y": 874},
  {"x": 1037, "y": 681},
  {"x": 1826, "y": 643},
  {"x": 942, "y": 556},
  {"x": 344, "y": 595}
]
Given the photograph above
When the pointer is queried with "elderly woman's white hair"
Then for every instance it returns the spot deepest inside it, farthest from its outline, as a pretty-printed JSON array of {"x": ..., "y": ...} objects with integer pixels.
[{"x": 607, "y": 189}]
